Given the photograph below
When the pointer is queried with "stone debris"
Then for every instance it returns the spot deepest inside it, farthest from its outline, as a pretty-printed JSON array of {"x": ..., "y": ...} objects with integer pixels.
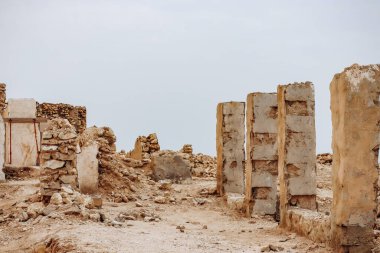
[
  {"x": 187, "y": 149},
  {"x": 325, "y": 159},
  {"x": 58, "y": 157}
]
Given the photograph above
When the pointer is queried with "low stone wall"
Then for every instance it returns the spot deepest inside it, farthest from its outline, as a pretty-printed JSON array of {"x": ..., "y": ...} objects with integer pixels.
[
  {"x": 76, "y": 115},
  {"x": 58, "y": 157}
]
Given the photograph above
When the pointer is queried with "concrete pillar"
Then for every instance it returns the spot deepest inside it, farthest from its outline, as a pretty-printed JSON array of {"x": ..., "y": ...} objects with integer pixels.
[
  {"x": 355, "y": 109},
  {"x": 296, "y": 147},
  {"x": 261, "y": 152},
  {"x": 230, "y": 147}
]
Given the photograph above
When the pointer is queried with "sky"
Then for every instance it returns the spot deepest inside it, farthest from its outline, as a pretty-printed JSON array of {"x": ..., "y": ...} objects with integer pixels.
[{"x": 163, "y": 65}]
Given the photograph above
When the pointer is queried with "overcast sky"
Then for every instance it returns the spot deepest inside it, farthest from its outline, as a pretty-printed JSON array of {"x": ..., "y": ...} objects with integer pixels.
[{"x": 162, "y": 66}]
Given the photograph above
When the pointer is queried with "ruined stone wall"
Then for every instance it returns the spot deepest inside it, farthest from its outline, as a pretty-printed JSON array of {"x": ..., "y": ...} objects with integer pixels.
[
  {"x": 76, "y": 115},
  {"x": 2, "y": 129},
  {"x": 355, "y": 109},
  {"x": 58, "y": 157},
  {"x": 261, "y": 153},
  {"x": 144, "y": 147},
  {"x": 230, "y": 147},
  {"x": 296, "y": 147}
]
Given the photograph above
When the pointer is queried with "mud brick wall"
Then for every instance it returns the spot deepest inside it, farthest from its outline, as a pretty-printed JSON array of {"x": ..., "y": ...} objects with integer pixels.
[
  {"x": 355, "y": 109},
  {"x": 296, "y": 147},
  {"x": 58, "y": 157},
  {"x": 2, "y": 129},
  {"x": 76, "y": 115},
  {"x": 144, "y": 147},
  {"x": 230, "y": 147},
  {"x": 261, "y": 152}
]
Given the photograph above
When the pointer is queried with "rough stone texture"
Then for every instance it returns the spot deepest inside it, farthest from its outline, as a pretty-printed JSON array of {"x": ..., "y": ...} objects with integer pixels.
[
  {"x": 25, "y": 137},
  {"x": 261, "y": 153},
  {"x": 296, "y": 147},
  {"x": 58, "y": 157},
  {"x": 88, "y": 166},
  {"x": 170, "y": 165},
  {"x": 21, "y": 108},
  {"x": 76, "y": 115},
  {"x": 230, "y": 147},
  {"x": 356, "y": 117},
  {"x": 2, "y": 130},
  {"x": 311, "y": 224},
  {"x": 144, "y": 147}
]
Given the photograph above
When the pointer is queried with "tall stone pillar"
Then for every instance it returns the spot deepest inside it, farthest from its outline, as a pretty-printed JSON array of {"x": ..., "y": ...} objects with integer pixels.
[
  {"x": 296, "y": 147},
  {"x": 355, "y": 109},
  {"x": 261, "y": 152},
  {"x": 230, "y": 147}
]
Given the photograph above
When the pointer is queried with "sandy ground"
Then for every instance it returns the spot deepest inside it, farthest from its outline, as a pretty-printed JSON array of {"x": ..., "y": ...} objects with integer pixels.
[{"x": 208, "y": 226}]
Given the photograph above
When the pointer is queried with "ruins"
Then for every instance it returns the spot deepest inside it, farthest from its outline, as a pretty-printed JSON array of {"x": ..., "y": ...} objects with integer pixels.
[{"x": 266, "y": 156}]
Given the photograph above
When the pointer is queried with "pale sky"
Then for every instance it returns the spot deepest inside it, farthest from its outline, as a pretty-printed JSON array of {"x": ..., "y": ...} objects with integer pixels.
[{"x": 162, "y": 66}]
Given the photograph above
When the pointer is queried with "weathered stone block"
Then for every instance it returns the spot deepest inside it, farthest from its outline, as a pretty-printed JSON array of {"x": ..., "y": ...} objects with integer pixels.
[
  {"x": 168, "y": 165},
  {"x": 296, "y": 147},
  {"x": 355, "y": 109},
  {"x": 230, "y": 147},
  {"x": 21, "y": 108},
  {"x": 261, "y": 153},
  {"x": 88, "y": 166}
]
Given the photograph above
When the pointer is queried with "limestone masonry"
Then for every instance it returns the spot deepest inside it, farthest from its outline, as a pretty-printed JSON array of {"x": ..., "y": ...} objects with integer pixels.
[
  {"x": 230, "y": 147},
  {"x": 296, "y": 147},
  {"x": 355, "y": 109},
  {"x": 261, "y": 153}
]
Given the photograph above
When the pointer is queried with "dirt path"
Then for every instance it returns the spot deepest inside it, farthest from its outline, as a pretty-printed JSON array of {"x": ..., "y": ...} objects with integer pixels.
[{"x": 208, "y": 226}]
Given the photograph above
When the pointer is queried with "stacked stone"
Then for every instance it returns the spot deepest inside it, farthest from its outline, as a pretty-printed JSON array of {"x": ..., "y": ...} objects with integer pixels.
[
  {"x": 145, "y": 146},
  {"x": 76, "y": 115},
  {"x": 58, "y": 157},
  {"x": 3, "y": 96},
  {"x": 296, "y": 147},
  {"x": 187, "y": 149},
  {"x": 325, "y": 158},
  {"x": 203, "y": 165}
]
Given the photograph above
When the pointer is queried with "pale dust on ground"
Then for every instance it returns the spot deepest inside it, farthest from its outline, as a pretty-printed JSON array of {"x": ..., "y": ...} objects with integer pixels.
[{"x": 227, "y": 230}]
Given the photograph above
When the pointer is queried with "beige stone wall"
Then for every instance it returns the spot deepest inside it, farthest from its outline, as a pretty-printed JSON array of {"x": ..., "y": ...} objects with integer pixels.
[
  {"x": 230, "y": 147},
  {"x": 58, "y": 157},
  {"x": 355, "y": 116},
  {"x": 296, "y": 147},
  {"x": 261, "y": 153},
  {"x": 145, "y": 146},
  {"x": 76, "y": 115}
]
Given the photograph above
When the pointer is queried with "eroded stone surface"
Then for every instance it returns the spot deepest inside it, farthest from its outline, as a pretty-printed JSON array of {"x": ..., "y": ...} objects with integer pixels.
[
  {"x": 230, "y": 147},
  {"x": 296, "y": 144},
  {"x": 261, "y": 153},
  {"x": 170, "y": 165},
  {"x": 21, "y": 108},
  {"x": 88, "y": 165},
  {"x": 355, "y": 117}
]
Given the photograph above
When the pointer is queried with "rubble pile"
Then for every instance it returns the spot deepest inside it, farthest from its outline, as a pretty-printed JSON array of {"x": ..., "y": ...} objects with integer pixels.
[
  {"x": 58, "y": 157},
  {"x": 144, "y": 147},
  {"x": 76, "y": 115},
  {"x": 325, "y": 158},
  {"x": 117, "y": 176},
  {"x": 201, "y": 165}
]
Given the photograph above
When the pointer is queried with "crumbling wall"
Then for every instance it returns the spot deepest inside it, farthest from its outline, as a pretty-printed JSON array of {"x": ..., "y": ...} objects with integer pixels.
[
  {"x": 144, "y": 147},
  {"x": 58, "y": 157},
  {"x": 261, "y": 152},
  {"x": 2, "y": 130},
  {"x": 76, "y": 115},
  {"x": 355, "y": 109},
  {"x": 230, "y": 147},
  {"x": 97, "y": 155},
  {"x": 296, "y": 147}
]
